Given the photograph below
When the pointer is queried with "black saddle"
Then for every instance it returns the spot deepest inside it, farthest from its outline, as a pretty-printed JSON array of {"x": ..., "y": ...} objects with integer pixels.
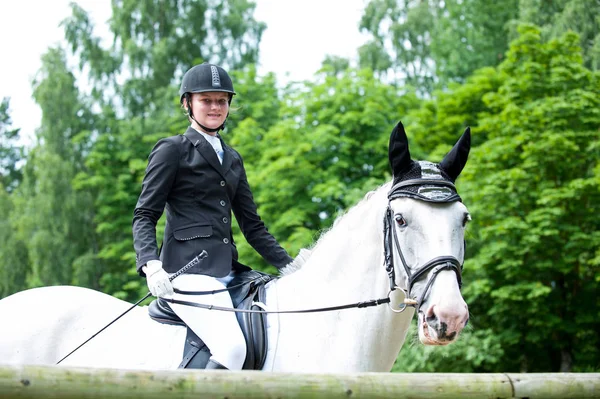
[{"x": 247, "y": 288}]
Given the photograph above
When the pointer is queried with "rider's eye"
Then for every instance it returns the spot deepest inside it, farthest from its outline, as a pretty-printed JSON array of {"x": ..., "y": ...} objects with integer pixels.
[
  {"x": 400, "y": 220},
  {"x": 466, "y": 219}
]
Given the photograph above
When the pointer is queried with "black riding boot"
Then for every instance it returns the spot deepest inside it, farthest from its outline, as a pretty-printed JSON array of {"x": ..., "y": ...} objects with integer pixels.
[{"x": 213, "y": 365}]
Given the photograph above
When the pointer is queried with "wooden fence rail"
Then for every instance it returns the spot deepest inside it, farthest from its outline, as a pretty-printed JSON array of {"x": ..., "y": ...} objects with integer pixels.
[{"x": 42, "y": 382}]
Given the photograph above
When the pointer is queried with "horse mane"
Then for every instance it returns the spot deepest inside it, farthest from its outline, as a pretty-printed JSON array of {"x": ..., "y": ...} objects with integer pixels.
[{"x": 346, "y": 223}]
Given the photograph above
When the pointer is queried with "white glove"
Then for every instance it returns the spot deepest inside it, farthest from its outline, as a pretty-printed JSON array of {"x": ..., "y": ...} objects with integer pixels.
[
  {"x": 300, "y": 259},
  {"x": 157, "y": 279}
]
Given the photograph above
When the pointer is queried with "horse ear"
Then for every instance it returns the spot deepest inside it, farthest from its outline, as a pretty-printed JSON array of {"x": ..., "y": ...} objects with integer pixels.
[
  {"x": 454, "y": 162},
  {"x": 398, "y": 150}
]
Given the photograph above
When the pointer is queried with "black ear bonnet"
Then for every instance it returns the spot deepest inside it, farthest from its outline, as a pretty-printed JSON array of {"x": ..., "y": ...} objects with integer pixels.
[{"x": 425, "y": 180}]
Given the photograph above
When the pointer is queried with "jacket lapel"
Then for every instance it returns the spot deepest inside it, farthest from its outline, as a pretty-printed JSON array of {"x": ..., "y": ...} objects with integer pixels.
[{"x": 205, "y": 149}]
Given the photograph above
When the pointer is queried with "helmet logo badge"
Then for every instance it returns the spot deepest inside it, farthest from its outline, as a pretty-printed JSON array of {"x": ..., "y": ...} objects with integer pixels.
[{"x": 216, "y": 79}]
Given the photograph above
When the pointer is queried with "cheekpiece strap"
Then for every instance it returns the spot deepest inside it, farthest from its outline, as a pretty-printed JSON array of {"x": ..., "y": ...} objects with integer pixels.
[{"x": 388, "y": 247}]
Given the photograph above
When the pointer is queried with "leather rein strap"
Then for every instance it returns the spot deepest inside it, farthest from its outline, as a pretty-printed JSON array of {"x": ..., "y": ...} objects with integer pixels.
[
  {"x": 360, "y": 305},
  {"x": 390, "y": 241}
]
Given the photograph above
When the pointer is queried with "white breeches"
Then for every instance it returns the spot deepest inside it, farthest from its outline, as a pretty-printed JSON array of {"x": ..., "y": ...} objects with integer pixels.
[{"x": 218, "y": 329}]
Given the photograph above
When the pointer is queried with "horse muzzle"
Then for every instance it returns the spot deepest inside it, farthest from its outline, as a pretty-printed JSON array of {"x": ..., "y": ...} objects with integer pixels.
[{"x": 442, "y": 324}]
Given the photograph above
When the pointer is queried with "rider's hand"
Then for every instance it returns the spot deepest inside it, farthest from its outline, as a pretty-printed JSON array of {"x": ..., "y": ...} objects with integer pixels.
[{"x": 157, "y": 279}]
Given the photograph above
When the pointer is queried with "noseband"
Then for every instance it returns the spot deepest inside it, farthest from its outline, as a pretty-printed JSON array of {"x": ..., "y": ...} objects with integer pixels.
[{"x": 391, "y": 241}]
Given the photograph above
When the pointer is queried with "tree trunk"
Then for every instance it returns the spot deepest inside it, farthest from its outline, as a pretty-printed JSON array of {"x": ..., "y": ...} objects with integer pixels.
[{"x": 566, "y": 361}]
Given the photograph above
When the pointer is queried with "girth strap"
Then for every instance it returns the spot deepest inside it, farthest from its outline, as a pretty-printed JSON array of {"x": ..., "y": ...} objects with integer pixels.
[{"x": 193, "y": 347}]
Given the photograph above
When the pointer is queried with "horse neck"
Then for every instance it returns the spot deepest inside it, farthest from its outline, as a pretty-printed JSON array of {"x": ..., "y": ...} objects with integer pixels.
[
  {"x": 346, "y": 267},
  {"x": 349, "y": 257}
]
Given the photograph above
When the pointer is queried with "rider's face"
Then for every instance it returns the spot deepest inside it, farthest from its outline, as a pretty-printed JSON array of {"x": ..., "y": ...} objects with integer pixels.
[{"x": 210, "y": 109}]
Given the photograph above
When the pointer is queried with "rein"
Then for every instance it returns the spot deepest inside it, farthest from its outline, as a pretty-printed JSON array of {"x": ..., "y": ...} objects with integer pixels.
[
  {"x": 216, "y": 291},
  {"x": 364, "y": 304},
  {"x": 360, "y": 305},
  {"x": 390, "y": 241}
]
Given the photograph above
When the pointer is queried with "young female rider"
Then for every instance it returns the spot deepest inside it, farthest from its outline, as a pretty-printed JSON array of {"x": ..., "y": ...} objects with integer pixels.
[{"x": 199, "y": 180}]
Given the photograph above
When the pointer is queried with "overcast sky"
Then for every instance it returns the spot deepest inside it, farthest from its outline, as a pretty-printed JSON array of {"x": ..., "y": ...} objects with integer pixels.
[{"x": 298, "y": 36}]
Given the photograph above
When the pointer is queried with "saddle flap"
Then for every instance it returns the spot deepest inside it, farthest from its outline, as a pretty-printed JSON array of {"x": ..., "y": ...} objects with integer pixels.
[
  {"x": 254, "y": 328},
  {"x": 160, "y": 310},
  {"x": 244, "y": 282},
  {"x": 253, "y": 325}
]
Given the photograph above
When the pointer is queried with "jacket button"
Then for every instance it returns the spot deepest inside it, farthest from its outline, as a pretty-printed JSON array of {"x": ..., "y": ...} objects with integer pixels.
[
  {"x": 225, "y": 220},
  {"x": 222, "y": 183},
  {"x": 225, "y": 240},
  {"x": 222, "y": 203}
]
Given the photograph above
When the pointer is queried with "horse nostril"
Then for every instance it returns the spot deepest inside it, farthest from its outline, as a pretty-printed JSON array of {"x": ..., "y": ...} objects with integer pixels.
[{"x": 430, "y": 315}]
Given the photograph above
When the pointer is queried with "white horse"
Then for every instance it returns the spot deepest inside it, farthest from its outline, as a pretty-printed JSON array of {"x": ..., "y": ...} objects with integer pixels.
[{"x": 348, "y": 264}]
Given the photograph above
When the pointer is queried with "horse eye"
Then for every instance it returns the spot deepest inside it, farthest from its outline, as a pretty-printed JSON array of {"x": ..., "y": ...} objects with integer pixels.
[
  {"x": 400, "y": 220},
  {"x": 466, "y": 219}
]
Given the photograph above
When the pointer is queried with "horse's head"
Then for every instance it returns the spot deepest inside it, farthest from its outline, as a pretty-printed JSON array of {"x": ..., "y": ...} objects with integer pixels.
[{"x": 424, "y": 237}]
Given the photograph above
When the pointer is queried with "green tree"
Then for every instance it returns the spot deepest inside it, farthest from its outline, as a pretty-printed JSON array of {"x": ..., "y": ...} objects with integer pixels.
[
  {"x": 401, "y": 41},
  {"x": 469, "y": 35},
  {"x": 533, "y": 187},
  {"x": 538, "y": 265},
  {"x": 155, "y": 42},
  {"x": 48, "y": 215},
  {"x": 13, "y": 251},
  {"x": 11, "y": 153},
  {"x": 429, "y": 44},
  {"x": 327, "y": 149},
  {"x": 556, "y": 17}
]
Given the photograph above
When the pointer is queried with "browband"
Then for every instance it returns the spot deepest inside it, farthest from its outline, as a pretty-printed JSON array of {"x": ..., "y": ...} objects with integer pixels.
[{"x": 397, "y": 190}]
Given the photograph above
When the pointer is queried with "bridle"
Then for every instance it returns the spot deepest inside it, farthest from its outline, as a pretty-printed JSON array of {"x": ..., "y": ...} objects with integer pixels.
[{"x": 390, "y": 241}]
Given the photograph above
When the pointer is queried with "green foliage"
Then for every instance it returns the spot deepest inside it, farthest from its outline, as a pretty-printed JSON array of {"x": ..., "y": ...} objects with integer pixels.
[
  {"x": 469, "y": 35},
  {"x": 429, "y": 44},
  {"x": 155, "y": 42},
  {"x": 477, "y": 349},
  {"x": 533, "y": 189},
  {"x": 327, "y": 150},
  {"x": 46, "y": 229},
  {"x": 13, "y": 252},
  {"x": 557, "y": 17},
  {"x": 10, "y": 152},
  {"x": 401, "y": 38}
]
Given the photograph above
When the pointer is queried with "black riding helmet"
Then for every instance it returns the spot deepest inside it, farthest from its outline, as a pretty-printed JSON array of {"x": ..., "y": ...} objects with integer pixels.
[{"x": 203, "y": 78}]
